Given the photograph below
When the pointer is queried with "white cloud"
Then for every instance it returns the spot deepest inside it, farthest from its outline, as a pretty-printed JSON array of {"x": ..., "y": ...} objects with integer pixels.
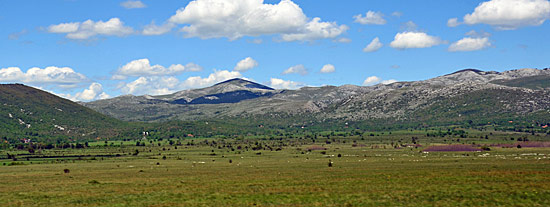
[
  {"x": 510, "y": 14},
  {"x": 453, "y": 22},
  {"x": 255, "y": 41},
  {"x": 474, "y": 33},
  {"x": 409, "y": 26},
  {"x": 246, "y": 64},
  {"x": 159, "y": 85},
  {"x": 407, "y": 40},
  {"x": 373, "y": 80},
  {"x": 297, "y": 69},
  {"x": 370, "y": 17},
  {"x": 397, "y": 14},
  {"x": 151, "y": 86},
  {"x": 93, "y": 92},
  {"x": 153, "y": 29},
  {"x": 284, "y": 84},
  {"x": 343, "y": 40},
  {"x": 89, "y": 28},
  {"x": 133, "y": 4},
  {"x": 390, "y": 81},
  {"x": 470, "y": 44},
  {"x": 315, "y": 29},
  {"x": 234, "y": 19},
  {"x": 62, "y": 77},
  {"x": 213, "y": 78},
  {"x": 142, "y": 67},
  {"x": 328, "y": 68},
  {"x": 373, "y": 46},
  {"x": 64, "y": 27}
]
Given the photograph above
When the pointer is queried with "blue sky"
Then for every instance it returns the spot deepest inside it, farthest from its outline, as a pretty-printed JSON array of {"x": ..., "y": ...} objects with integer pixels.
[{"x": 87, "y": 50}]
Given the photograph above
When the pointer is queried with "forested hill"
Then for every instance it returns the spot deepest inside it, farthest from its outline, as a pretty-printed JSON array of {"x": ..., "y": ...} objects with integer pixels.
[{"x": 30, "y": 113}]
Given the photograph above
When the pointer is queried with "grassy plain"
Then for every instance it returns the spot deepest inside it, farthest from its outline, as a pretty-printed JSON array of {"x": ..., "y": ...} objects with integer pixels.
[{"x": 284, "y": 172}]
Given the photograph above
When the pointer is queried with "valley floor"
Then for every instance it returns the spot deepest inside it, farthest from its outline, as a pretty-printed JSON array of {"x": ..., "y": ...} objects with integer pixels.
[{"x": 201, "y": 175}]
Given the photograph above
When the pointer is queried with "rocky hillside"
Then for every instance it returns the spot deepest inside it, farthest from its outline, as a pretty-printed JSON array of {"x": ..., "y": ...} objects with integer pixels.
[{"x": 463, "y": 95}]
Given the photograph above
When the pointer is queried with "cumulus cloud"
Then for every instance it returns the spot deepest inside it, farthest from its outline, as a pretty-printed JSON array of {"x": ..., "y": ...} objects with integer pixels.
[
  {"x": 142, "y": 67},
  {"x": 315, "y": 29},
  {"x": 373, "y": 80},
  {"x": 297, "y": 69},
  {"x": 62, "y": 77},
  {"x": 328, "y": 68},
  {"x": 133, "y": 4},
  {"x": 470, "y": 44},
  {"x": 246, "y": 64},
  {"x": 373, "y": 46},
  {"x": 453, "y": 22},
  {"x": 89, "y": 28},
  {"x": 213, "y": 78},
  {"x": 510, "y": 14},
  {"x": 405, "y": 40},
  {"x": 370, "y": 17},
  {"x": 237, "y": 18},
  {"x": 154, "y": 29},
  {"x": 93, "y": 92},
  {"x": 159, "y": 85},
  {"x": 284, "y": 84},
  {"x": 151, "y": 86}
]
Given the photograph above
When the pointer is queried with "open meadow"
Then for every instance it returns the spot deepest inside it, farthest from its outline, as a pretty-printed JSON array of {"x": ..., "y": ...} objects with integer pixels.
[{"x": 343, "y": 171}]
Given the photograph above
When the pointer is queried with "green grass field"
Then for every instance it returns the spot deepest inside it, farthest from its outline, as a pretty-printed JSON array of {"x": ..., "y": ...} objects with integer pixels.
[{"x": 288, "y": 174}]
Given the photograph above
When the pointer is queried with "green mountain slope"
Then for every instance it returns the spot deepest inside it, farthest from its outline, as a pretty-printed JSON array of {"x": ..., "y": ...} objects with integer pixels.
[{"x": 26, "y": 112}]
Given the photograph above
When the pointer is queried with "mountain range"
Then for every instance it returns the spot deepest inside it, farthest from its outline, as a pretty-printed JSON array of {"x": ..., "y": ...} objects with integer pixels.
[
  {"x": 465, "y": 95},
  {"x": 465, "y": 98}
]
